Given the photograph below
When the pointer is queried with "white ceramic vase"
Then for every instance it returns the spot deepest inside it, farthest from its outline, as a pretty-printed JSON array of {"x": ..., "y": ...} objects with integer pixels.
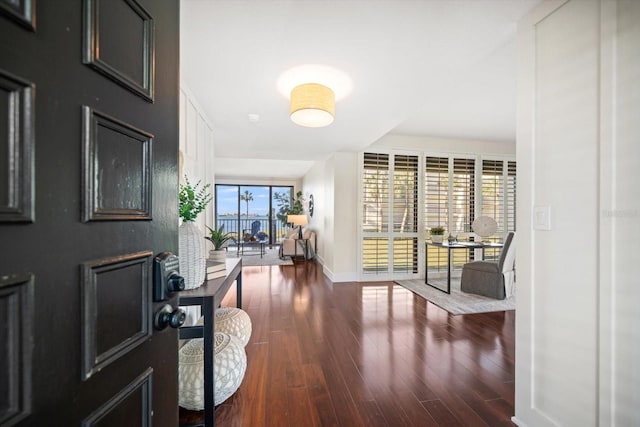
[
  {"x": 436, "y": 238},
  {"x": 193, "y": 255}
]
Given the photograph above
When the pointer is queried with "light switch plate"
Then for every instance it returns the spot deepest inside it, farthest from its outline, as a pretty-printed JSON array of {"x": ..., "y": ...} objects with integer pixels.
[{"x": 542, "y": 217}]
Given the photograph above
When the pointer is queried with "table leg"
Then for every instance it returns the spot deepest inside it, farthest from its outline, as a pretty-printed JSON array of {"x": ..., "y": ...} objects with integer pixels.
[
  {"x": 426, "y": 271},
  {"x": 426, "y": 264},
  {"x": 209, "y": 392},
  {"x": 239, "y": 290},
  {"x": 449, "y": 271}
]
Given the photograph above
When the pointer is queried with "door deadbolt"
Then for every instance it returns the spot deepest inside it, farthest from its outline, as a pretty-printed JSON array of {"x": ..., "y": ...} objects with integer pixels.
[{"x": 166, "y": 276}]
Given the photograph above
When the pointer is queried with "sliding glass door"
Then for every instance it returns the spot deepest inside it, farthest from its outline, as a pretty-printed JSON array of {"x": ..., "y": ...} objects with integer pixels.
[{"x": 249, "y": 210}]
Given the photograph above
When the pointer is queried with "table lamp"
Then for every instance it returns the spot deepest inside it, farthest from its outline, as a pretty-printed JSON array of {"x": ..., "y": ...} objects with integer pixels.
[{"x": 298, "y": 220}]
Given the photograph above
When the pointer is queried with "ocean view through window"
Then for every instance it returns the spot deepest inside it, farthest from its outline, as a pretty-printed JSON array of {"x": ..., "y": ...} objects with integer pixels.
[{"x": 238, "y": 206}]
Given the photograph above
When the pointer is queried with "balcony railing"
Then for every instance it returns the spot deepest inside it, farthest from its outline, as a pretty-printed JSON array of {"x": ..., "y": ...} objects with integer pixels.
[{"x": 275, "y": 231}]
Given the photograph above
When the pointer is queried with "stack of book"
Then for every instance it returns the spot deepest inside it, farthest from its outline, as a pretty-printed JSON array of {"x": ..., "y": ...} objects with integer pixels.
[{"x": 216, "y": 269}]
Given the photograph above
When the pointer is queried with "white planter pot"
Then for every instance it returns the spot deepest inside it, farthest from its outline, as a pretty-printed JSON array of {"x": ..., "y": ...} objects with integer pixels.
[
  {"x": 193, "y": 255},
  {"x": 436, "y": 238},
  {"x": 218, "y": 256}
]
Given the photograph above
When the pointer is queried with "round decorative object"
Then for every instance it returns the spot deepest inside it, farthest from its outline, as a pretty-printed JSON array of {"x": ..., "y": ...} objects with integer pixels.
[
  {"x": 193, "y": 254},
  {"x": 234, "y": 321},
  {"x": 484, "y": 226},
  {"x": 311, "y": 205},
  {"x": 230, "y": 365}
]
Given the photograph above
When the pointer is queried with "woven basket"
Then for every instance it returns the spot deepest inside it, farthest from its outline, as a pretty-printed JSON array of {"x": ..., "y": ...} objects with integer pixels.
[
  {"x": 232, "y": 321},
  {"x": 230, "y": 365},
  {"x": 193, "y": 255}
]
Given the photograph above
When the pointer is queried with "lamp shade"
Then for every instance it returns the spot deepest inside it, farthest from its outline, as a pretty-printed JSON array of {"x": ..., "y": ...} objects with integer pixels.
[
  {"x": 312, "y": 105},
  {"x": 297, "y": 219}
]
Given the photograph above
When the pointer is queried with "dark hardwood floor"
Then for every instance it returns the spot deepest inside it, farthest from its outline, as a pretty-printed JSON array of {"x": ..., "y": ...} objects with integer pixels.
[{"x": 366, "y": 354}]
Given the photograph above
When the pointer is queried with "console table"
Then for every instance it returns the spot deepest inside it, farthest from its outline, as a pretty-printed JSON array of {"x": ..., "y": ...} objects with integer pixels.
[
  {"x": 208, "y": 297},
  {"x": 451, "y": 247}
]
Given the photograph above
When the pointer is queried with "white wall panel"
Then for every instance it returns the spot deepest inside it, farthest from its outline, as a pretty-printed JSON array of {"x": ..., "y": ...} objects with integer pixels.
[
  {"x": 196, "y": 144},
  {"x": 566, "y": 178},
  {"x": 578, "y": 326}
]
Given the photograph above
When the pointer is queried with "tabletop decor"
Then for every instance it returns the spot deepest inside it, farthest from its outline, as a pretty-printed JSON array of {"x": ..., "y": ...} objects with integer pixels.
[
  {"x": 192, "y": 200},
  {"x": 436, "y": 234},
  {"x": 484, "y": 226},
  {"x": 218, "y": 238}
]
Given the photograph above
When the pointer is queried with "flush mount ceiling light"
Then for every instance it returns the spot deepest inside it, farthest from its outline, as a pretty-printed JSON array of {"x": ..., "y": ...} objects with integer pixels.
[{"x": 312, "y": 105}]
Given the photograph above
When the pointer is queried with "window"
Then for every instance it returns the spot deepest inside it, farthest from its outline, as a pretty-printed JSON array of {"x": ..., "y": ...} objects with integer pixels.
[
  {"x": 400, "y": 204},
  {"x": 375, "y": 199},
  {"x": 389, "y": 213},
  {"x": 499, "y": 193},
  {"x": 449, "y": 194}
]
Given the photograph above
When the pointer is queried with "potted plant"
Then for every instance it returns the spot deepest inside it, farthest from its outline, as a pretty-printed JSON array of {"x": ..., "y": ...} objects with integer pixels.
[
  {"x": 218, "y": 238},
  {"x": 288, "y": 205},
  {"x": 192, "y": 200},
  {"x": 436, "y": 234}
]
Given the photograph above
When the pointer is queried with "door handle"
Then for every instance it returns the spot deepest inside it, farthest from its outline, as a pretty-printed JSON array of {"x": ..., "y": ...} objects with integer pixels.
[{"x": 167, "y": 316}]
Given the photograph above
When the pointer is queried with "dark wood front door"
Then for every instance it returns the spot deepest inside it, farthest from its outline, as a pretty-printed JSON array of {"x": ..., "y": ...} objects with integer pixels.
[{"x": 88, "y": 191}]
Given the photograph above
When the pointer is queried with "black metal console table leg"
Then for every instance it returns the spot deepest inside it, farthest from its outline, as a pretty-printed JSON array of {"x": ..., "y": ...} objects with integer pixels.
[
  {"x": 239, "y": 291},
  {"x": 426, "y": 270},
  {"x": 209, "y": 372}
]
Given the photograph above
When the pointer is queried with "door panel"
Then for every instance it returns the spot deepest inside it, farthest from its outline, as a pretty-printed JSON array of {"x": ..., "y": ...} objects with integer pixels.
[{"x": 88, "y": 177}]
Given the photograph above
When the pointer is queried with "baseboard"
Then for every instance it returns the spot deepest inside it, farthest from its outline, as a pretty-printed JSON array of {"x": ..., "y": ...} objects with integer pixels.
[
  {"x": 338, "y": 278},
  {"x": 518, "y": 422}
]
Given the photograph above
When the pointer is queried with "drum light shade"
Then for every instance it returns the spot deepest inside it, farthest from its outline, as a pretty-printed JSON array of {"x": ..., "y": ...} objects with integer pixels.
[{"x": 312, "y": 105}]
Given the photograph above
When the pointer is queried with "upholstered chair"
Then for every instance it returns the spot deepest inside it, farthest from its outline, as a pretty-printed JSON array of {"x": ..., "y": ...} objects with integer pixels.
[{"x": 489, "y": 278}]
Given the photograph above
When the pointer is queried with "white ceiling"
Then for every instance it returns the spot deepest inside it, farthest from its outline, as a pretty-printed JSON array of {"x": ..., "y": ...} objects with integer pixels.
[{"x": 438, "y": 68}]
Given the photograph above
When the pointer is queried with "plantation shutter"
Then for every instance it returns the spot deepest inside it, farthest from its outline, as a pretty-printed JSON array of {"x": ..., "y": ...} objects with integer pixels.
[
  {"x": 389, "y": 213},
  {"x": 463, "y": 195},
  {"x": 449, "y": 202},
  {"x": 375, "y": 194},
  {"x": 493, "y": 191},
  {"x": 405, "y": 193},
  {"x": 510, "y": 190},
  {"x": 375, "y": 213},
  {"x": 405, "y": 213},
  {"x": 436, "y": 183},
  {"x": 499, "y": 193}
]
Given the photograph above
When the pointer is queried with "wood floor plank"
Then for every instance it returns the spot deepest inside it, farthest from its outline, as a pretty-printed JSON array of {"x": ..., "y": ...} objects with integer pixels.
[{"x": 366, "y": 354}]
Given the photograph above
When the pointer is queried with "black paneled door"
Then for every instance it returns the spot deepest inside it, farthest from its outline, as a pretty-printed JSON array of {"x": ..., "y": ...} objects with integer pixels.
[{"x": 88, "y": 190}]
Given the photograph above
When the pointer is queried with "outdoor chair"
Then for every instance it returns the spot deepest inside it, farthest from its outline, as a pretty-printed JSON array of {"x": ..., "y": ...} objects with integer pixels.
[{"x": 250, "y": 234}]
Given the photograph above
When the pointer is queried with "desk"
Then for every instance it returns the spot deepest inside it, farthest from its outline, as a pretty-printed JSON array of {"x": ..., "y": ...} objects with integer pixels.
[
  {"x": 451, "y": 247},
  {"x": 208, "y": 297}
]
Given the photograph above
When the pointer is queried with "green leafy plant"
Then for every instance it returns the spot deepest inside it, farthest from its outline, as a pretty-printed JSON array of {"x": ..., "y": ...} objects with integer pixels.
[
  {"x": 192, "y": 200},
  {"x": 218, "y": 237},
  {"x": 288, "y": 205},
  {"x": 437, "y": 231}
]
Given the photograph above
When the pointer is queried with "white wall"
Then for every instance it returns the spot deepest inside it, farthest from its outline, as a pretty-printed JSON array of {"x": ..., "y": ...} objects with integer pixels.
[
  {"x": 314, "y": 183},
  {"x": 445, "y": 145},
  {"x": 333, "y": 184},
  {"x": 196, "y": 146},
  {"x": 577, "y": 329}
]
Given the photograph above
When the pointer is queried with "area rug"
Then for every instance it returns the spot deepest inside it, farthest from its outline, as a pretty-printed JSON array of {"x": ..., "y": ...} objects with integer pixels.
[
  {"x": 458, "y": 302},
  {"x": 252, "y": 257}
]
